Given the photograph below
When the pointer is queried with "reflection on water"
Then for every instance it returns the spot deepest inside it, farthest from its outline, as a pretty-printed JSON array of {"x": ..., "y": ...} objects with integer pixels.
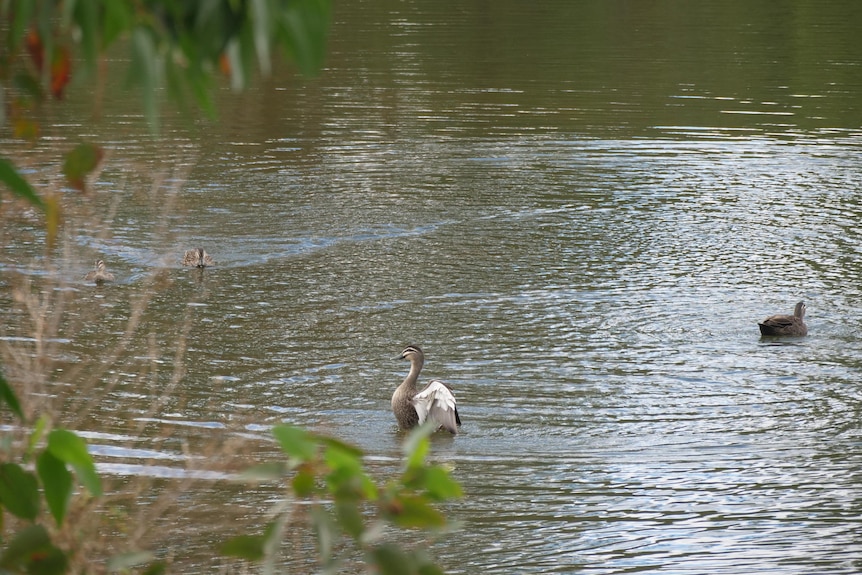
[{"x": 584, "y": 259}]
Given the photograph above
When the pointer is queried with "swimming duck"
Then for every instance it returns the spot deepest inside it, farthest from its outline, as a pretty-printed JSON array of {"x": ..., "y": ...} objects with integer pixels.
[
  {"x": 197, "y": 258},
  {"x": 786, "y": 325},
  {"x": 435, "y": 401},
  {"x": 99, "y": 274}
]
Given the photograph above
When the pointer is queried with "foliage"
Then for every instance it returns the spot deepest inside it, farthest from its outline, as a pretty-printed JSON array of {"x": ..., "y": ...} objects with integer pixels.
[
  {"x": 177, "y": 48},
  {"x": 346, "y": 501},
  {"x": 173, "y": 46},
  {"x": 24, "y": 493}
]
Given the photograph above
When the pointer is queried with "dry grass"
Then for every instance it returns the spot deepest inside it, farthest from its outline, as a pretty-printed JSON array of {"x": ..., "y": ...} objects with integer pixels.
[{"x": 44, "y": 358}]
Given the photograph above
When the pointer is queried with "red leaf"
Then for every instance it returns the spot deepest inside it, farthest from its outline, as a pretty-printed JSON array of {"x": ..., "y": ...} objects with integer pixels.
[
  {"x": 224, "y": 64},
  {"x": 61, "y": 71},
  {"x": 35, "y": 48}
]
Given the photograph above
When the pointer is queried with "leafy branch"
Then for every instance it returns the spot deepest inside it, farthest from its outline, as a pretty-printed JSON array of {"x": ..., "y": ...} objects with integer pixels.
[{"x": 345, "y": 502}]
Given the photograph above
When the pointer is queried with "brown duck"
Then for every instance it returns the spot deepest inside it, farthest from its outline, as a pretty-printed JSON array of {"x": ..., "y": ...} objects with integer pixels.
[
  {"x": 99, "y": 274},
  {"x": 434, "y": 402},
  {"x": 197, "y": 258},
  {"x": 786, "y": 325}
]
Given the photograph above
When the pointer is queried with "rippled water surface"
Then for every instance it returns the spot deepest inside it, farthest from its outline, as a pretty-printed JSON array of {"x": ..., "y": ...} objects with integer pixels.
[{"x": 579, "y": 212}]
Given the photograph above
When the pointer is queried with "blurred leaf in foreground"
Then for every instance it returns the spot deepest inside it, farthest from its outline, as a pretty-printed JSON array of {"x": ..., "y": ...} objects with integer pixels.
[
  {"x": 80, "y": 163},
  {"x": 19, "y": 186}
]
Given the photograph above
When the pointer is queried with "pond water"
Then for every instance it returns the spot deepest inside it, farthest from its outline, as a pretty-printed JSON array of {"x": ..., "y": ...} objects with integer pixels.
[{"x": 579, "y": 210}]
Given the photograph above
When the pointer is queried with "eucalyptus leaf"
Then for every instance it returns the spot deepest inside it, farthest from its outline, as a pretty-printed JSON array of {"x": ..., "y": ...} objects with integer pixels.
[
  {"x": 31, "y": 551},
  {"x": 70, "y": 448},
  {"x": 350, "y": 518},
  {"x": 57, "y": 482},
  {"x": 295, "y": 442},
  {"x": 81, "y": 162},
  {"x": 439, "y": 485},
  {"x": 390, "y": 560},
  {"x": 417, "y": 445},
  {"x": 250, "y": 547},
  {"x": 86, "y": 16},
  {"x": 19, "y": 186},
  {"x": 7, "y": 396},
  {"x": 416, "y": 512},
  {"x": 19, "y": 491}
]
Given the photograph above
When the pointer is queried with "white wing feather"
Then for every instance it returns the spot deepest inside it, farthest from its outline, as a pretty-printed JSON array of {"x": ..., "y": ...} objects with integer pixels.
[{"x": 438, "y": 402}]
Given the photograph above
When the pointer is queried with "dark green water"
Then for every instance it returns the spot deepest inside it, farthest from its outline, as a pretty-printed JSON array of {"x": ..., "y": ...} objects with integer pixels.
[{"x": 579, "y": 209}]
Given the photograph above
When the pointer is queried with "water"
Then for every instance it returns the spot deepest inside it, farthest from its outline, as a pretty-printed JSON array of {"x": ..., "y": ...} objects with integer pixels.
[{"x": 580, "y": 212}]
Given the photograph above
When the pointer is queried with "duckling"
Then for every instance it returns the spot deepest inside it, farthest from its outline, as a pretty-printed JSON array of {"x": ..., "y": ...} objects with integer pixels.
[
  {"x": 197, "y": 258},
  {"x": 99, "y": 274},
  {"x": 435, "y": 401},
  {"x": 786, "y": 325}
]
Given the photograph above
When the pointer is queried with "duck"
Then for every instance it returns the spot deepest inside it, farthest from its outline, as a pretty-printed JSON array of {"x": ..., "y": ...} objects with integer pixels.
[
  {"x": 435, "y": 401},
  {"x": 99, "y": 274},
  {"x": 197, "y": 258},
  {"x": 786, "y": 325}
]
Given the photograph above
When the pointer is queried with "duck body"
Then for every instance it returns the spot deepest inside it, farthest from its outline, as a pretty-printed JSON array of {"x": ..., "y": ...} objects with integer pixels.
[
  {"x": 197, "y": 258},
  {"x": 99, "y": 274},
  {"x": 412, "y": 406},
  {"x": 786, "y": 325}
]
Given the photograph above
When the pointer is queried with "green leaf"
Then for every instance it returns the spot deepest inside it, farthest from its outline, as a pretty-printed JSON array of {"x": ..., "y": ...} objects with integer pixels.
[
  {"x": 351, "y": 483},
  {"x": 295, "y": 442},
  {"x": 158, "y": 568},
  {"x": 145, "y": 70},
  {"x": 31, "y": 551},
  {"x": 86, "y": 15},
  {"x": 415, "y": 512},
  {"x": 338, "y": 458},
  {"x": 332, "y": 442},
  {"x": 417, "y": 445},
  {"x": 80, "y": 163},
  {"x": 19, "y": 491},
  {"x": 125, "y": 561},
  {"x": 303, "y": 25},
  {"x": 428, "y": 568},
  {"x": 27, "y": 541},
  {"x": 21, "y": 17},
  {"x": 57, "y": 482},
  {"x": 117, "y": 18},
  {"x": 48, "y": 561},
  {"x": 249, "y": 547},
  {"x": 29, "y": 85},
  {"x": 70, "y": 448},
  {"x": 350, "y": 518},
  {"x": 303, "y": 482},
  {"x": 7, "y": 396},
  {"x": 390, "y": 560},
  {"x": 434, "y": 481},
  {"x": 439, "y": 485},
  {"x": 19, "y": 186},
  {"x": 36, "y": 435}
]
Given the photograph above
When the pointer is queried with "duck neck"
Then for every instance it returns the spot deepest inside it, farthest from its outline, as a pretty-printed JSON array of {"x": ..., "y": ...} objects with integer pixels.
[{"x": 413, "y": 376}]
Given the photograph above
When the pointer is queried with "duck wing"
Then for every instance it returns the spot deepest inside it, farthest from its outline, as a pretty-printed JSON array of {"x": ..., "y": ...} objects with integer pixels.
[
  {"x": 779, "y": 321},
  {"x": 437, "y": 402}
]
